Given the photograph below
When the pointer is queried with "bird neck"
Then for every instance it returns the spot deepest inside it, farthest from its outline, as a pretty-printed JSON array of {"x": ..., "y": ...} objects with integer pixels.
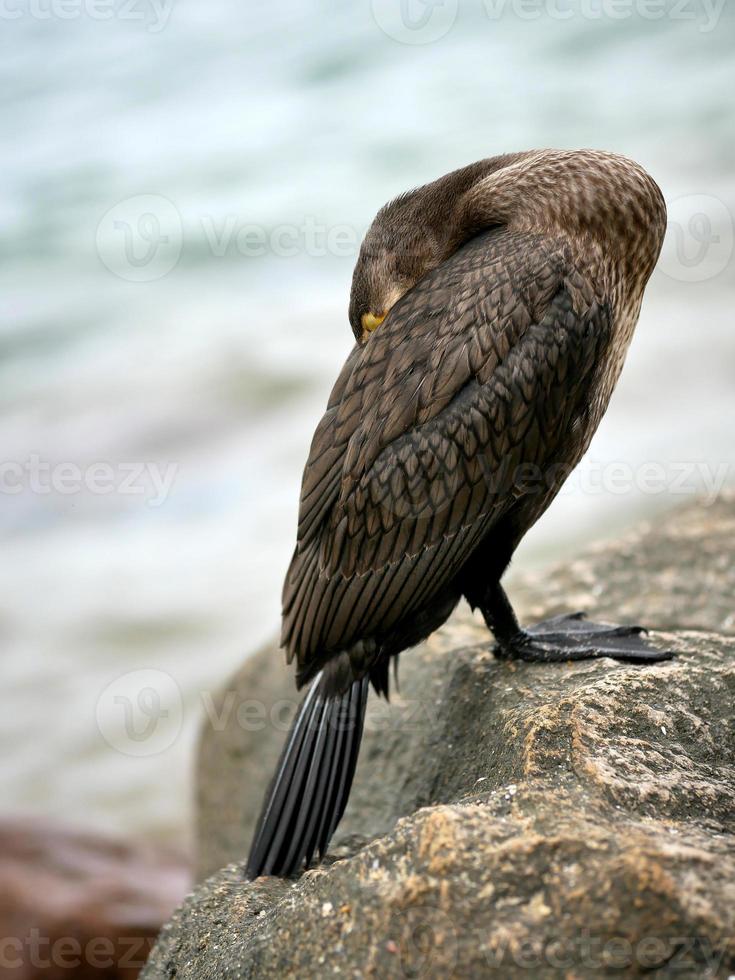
[{"x": 599, "y": 202}]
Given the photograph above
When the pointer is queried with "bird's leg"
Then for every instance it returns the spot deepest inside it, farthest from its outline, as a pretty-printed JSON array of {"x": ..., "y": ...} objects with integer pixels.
[{"x": 562, "y": 638}]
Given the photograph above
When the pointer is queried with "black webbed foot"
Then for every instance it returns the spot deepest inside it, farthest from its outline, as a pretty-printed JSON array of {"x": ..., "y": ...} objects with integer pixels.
[{"x": 571, "y": 637}]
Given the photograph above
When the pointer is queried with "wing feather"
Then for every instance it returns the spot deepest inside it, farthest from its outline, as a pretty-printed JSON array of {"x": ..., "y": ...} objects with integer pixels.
[{"x": 476, "y": 372}]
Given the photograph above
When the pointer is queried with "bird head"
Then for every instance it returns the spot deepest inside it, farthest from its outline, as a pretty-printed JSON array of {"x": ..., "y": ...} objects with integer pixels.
[
  {"x": 399, "y": 248},
  {"x": 416, "y": 232}
]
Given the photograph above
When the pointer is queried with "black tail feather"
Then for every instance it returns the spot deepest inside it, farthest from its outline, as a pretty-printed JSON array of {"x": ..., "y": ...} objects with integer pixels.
[
  {"x": 309, "y": 792},
  {"x": 352, "y": 719},
  {"x": 328, "y": 808},
  {"x": 278, "y": 804}
]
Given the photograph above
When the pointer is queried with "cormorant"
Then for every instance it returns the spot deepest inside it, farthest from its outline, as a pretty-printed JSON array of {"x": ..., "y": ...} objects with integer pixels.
[{"x": 492, "y": 311}]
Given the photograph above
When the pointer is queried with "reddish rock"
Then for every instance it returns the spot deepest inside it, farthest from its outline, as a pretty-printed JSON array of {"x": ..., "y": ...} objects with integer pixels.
[{"x": 77, "y": 906}]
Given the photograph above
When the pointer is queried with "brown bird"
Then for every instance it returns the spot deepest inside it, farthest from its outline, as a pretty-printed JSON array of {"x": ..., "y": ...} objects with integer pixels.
[{"x": 493, "y": 309}]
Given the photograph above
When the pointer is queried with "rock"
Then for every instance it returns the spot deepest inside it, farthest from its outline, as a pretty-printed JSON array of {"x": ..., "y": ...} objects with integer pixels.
[
  {"x": 676, "y": 574},
  {"x": 78, "y": 905},
  {"x": 571, "y": 821}
]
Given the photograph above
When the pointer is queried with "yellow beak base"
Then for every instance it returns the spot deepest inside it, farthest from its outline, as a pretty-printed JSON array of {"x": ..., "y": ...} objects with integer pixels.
[{"x": 369, "y": 323}]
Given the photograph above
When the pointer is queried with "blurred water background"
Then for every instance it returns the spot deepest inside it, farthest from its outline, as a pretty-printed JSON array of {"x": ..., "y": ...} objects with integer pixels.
[{"x": 280, "y": 129}]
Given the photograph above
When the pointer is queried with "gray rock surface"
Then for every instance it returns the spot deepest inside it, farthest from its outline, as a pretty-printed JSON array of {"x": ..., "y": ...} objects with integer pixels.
[{"x": 506, "y": 819}]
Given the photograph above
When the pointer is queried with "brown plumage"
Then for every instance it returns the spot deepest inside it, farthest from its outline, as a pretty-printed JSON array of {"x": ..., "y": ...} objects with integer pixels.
[{"x": 510, "y": 290}]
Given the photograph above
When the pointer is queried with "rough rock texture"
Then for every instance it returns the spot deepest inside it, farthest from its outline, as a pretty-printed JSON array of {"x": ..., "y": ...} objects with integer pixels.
[
  {"x": 677, "y": 574},
  {"x": 572, "y": 821}
]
